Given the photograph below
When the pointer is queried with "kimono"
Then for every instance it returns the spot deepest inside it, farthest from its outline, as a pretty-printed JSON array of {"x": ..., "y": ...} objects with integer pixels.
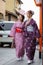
[
  {"x": 31, "y": 32},
  {"x": 17, "y": 33}
]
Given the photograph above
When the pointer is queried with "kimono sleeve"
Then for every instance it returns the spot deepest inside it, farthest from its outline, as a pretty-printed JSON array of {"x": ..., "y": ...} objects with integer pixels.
[
  {"x": 24, "y": 25},
  {"x": 12, "y": 32},
  {"x": 24, "y": 30},
  {"x": 37, "y": 32}
]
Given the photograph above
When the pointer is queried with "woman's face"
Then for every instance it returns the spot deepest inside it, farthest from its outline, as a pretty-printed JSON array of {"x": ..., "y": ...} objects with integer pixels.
[
  {"x": 20, "y": 17},
  {"x": 29, "y": 15}
]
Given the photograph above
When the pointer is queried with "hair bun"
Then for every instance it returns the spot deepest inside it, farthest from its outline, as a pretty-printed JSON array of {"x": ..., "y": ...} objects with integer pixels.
[{"x": 31, "y": 12}]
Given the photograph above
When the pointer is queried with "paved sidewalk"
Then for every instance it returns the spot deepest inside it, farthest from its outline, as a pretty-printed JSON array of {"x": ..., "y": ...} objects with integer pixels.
[{"x": 8, "y": 57}]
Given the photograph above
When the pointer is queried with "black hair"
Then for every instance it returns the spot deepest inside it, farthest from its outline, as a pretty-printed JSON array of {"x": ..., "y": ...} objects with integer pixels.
[
  {"x": 31, "y": 12},
  {"x": 23, "y": 17}
]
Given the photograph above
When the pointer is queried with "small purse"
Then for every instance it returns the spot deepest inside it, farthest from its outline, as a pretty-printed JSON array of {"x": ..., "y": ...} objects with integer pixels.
[{"x": 36, "y": 42}]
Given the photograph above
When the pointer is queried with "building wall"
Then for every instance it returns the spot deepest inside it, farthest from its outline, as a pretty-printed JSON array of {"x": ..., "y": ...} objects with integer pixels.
[
  {"x": 10, "y": 5},
  {"x": 17, "y": 5},
  {"x": 6, "y": 18},
  {"x": 2, "y": 7},
  {"x": 13, "y": 18}
]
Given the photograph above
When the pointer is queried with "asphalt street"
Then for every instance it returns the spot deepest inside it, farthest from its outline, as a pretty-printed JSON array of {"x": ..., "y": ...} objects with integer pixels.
[{"x": 8, "y": 57}]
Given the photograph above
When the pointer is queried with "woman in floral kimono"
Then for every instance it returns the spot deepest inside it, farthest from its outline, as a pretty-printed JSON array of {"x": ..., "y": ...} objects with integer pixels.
[
  {"x": 17, "y": 33},
  {"x": 31, "y": 34}
]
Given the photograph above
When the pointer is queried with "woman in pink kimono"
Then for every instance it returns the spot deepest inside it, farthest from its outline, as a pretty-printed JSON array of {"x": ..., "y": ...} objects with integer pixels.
[{"x": 17, "y": 33}]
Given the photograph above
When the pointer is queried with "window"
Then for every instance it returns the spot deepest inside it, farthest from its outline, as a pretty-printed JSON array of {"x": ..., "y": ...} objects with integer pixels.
[
  {"x": 1, "y": 16},
  {"x": 5, "y": 26}
]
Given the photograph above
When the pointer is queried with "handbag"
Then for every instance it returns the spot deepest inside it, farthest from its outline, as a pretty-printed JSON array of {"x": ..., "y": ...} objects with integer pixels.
[{"x": 36, "y": 42}]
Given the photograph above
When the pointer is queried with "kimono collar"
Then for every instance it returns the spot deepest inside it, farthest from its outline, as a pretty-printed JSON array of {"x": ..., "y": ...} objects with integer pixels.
[
  {"x": 19, "y": 21},
  {"x": 28, "y": 21}
]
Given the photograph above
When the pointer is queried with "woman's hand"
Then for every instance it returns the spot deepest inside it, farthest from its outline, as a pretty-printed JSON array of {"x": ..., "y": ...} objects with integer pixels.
[{"x": 37, "y": 39}]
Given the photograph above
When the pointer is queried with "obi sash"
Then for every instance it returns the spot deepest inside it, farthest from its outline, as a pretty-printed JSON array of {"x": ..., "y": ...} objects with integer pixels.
[
  {"x": 30, "y": 28},
  {"x": 19, "y": 30}
]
